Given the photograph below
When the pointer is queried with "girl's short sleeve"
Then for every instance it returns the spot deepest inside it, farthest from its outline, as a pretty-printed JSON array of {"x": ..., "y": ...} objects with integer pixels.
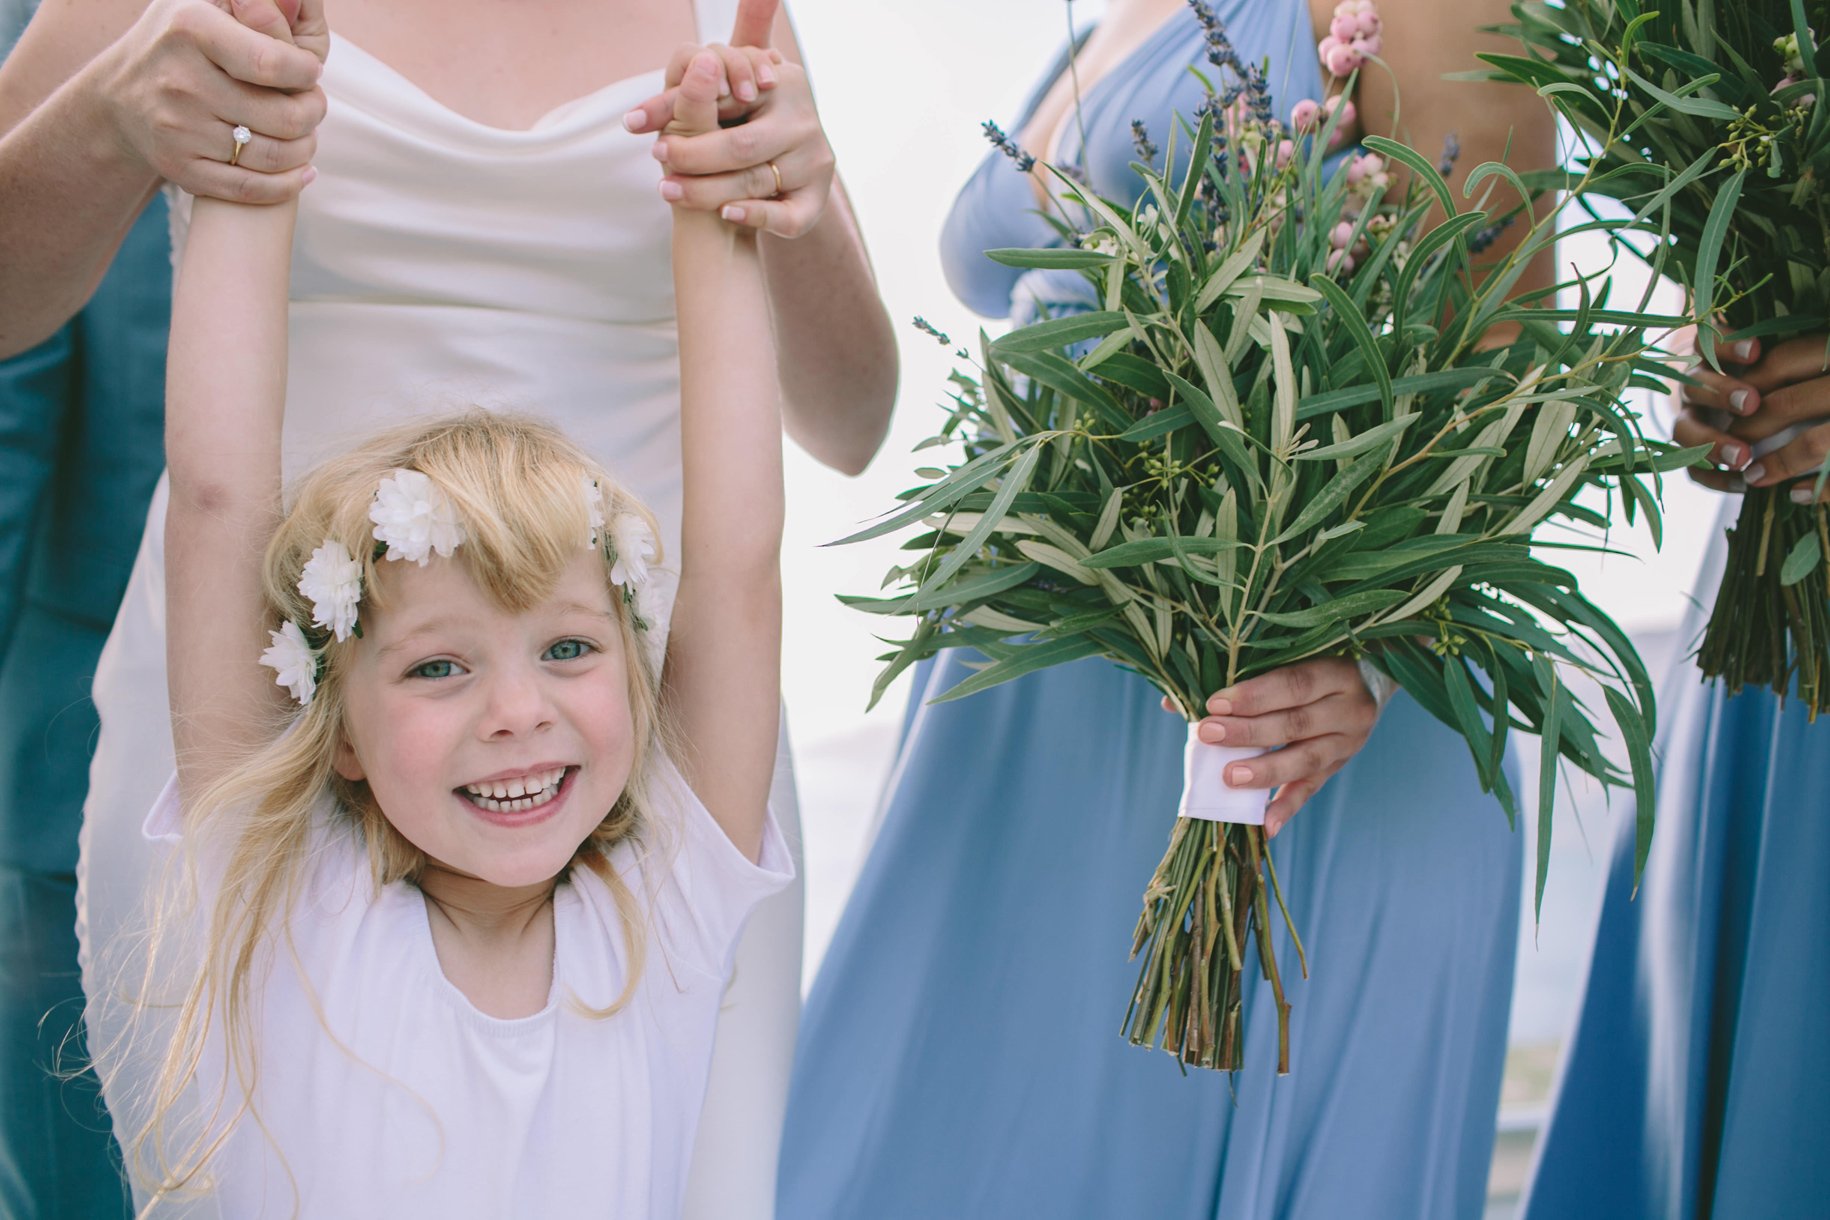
[{"x": 707, "y": 887}]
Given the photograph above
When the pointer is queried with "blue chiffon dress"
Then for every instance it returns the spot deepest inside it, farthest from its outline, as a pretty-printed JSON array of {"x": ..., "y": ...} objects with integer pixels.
[
  {"x": 960, "y": 1053},
  {"x": 1698, "y": 1080}
]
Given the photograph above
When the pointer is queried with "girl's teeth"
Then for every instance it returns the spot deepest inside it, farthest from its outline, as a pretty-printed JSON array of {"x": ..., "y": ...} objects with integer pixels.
[{"x": 515, "y": 795}]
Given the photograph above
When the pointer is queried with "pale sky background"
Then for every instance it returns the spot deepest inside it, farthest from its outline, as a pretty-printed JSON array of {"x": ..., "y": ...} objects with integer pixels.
[{"x": 903, "y": 89}]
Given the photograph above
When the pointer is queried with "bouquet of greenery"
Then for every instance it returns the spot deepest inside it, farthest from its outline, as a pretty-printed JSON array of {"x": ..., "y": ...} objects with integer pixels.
[
  {"x": 1294, "y": 422},
  {"x": 1703, "y": 120}
]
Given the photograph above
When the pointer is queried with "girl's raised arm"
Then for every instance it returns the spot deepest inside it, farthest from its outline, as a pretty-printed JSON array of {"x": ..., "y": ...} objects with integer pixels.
[
  {"x": 721, "y": 686},
  {"x": 224, "y": 401}
]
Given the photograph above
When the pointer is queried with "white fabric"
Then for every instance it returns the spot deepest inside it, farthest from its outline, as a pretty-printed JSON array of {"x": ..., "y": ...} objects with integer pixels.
[
  {"x": 382, "y": 1091},
  {"x": 440, "y": 262}
]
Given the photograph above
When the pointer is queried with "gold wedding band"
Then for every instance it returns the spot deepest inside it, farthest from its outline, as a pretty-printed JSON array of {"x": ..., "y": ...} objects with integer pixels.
[
  {"x": 774, "y": 169},
  {"x": 241, "y": 135}
]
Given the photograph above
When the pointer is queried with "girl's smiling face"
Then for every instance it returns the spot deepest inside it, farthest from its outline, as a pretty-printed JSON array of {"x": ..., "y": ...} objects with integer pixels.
[{"x": 493, "y": 740}]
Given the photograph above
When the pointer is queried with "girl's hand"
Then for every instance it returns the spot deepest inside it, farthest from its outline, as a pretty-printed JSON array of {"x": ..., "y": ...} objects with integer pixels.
[
  {"x": 1761, "y": 393},
  {"x": 1319, "y": 712},
  {"x": 190, "y": 71}
]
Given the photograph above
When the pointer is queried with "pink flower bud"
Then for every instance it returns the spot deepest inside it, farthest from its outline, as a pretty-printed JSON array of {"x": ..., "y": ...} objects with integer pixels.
[
  {"x": 1340, "y": 261},
  {"x": 1367, "y": 23},
  {"x": 1342, "y": 234},
  {"x": 1344, "y": 28},
  {"x": 1342, "y": 60},
  {"x": 1344, "y": 104},
  {"x": 1371, "y": 44},
  {"x": 1304, "y": 115},
  {"x": 1370, "y": 165},
  {"x": 1285, "y": 152}
]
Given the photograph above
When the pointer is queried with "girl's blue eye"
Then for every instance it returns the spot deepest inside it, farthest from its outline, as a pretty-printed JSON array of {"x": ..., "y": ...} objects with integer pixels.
[
  {"x": 434, "y": 669},
  {"x": 567, "y": 650}
]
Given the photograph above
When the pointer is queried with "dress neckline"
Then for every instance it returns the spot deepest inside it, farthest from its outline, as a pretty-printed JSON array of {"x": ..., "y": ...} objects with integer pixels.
[
  {"x": 564, "y": 110},
  {"x": 1052, "y": 148},
  {"x": 651, "y": 79}
]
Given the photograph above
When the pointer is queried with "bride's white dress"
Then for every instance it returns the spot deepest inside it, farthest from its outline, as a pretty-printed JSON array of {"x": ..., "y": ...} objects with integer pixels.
[{"x": 440, "y": 263}]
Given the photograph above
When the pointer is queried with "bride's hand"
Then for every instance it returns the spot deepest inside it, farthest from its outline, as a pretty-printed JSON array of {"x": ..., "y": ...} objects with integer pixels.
[
  {"x": 1761, "y": 392},
  {"x": 1319, "y": 712},
  {"x": 773, "y": 170},
  {"x": 188, "y": 71}
]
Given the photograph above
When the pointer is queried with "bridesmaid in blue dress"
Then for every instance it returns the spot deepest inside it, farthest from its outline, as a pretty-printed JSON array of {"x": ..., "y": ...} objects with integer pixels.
[
  {"x": 960, "y": 1053},
  {"x": 1698, "y": 1080}
]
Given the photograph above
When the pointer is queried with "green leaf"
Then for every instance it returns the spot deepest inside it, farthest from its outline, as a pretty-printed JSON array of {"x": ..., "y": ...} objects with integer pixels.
[
  {"x": 968, "y": 547},
  {"x": 1709, "y": 250},
  {"x": 960, "y": 484},
  {"x": 973, "y": 588},
  {"x": 1550, "y": 736},
  {"x": 1049, "y": 260},
  {"x": 1426, "y": 172},
  {"x": 1801, "y": 561},
  {"x": 1150, "y": 550},
  {"x": 1639, "y": 761},
  {"x": 1057, "y": 333},
  {"x": 1378, "y": 434},
  {"x": 1351, "y": 320},
  {"x": 1335, "y": 491},
  {"x": 1026, "y": 659},
  {"x": 1351, "y": 606}
]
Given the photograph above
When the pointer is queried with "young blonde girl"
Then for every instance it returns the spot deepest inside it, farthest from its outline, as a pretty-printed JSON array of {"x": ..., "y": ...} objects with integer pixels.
[{"x": 460, "y": 921}]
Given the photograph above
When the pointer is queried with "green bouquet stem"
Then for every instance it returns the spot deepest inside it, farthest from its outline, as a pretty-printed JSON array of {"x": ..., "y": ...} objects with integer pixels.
[
  {"x": 1208, "y": 902},
  {"x": 1765, "y": 631}
]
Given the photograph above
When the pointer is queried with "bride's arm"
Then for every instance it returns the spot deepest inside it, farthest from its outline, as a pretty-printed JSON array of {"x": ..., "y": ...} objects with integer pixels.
[
  {"x": 833, "y": 340},
  {"x": 225, "y": 396}
]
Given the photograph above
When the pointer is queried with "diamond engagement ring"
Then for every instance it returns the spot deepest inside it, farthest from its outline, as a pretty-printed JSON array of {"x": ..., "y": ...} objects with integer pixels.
[{"x": 241, "y": 135}]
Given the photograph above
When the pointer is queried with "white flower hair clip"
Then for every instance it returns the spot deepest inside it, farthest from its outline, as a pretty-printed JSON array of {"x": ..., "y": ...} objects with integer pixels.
[
  {"x": 414, "y": 518},
  {"x": 632, "y": 549},
  {"x": 332, "y": 583},
  {"x": 294, "y": 660}
]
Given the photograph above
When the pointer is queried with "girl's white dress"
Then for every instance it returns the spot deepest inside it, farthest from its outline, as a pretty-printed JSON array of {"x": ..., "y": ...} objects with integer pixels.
[
  {"x": 382, "y": 1091},
  {"x": 439, "y": 263}
]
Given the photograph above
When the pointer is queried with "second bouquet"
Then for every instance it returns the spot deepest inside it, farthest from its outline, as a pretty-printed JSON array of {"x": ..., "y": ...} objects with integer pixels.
[{"x": 1290, "y": 420}]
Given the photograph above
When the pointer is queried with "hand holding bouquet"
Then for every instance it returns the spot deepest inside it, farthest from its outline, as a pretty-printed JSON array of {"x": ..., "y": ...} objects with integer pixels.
[
  {"x": 1294, "y": 422},
  {"x": 1703, "y": 119}
]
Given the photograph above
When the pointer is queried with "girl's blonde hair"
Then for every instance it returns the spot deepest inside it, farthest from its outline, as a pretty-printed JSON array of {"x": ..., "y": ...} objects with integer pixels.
[{"x": 518, "y": 487}]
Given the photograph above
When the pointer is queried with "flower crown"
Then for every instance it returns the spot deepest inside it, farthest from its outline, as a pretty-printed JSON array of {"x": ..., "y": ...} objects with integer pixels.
[{"x": 414, "y": 520}]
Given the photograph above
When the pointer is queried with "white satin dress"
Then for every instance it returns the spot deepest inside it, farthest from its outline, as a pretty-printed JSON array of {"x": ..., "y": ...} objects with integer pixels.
[{"x": 441, "y": 263}]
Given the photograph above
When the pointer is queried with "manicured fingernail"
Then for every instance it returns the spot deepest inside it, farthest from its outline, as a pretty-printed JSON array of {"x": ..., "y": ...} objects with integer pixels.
[
  {"x": 1741, "y": 401},
  {"x": 1214, "y": 733},
  {"x": 1734, "y": 456},
  {"x": 1219, "y": 705},
  {"x": 765, "y": 75},
  {"x": 634, "y": 119},
  {"x": 1239, "y": 776},
  {"x": 732, "y": 213},
  {"x": 1742, "y": 350},
  {"x": 309, "y": 176},
  {"x": 746, "y": 91},
  {"x": 1755, "y": 473},
  {"x": 660, "y": 150},
  {"x": 1804, "y": 493},
  {"x": 672, "y": 191}
]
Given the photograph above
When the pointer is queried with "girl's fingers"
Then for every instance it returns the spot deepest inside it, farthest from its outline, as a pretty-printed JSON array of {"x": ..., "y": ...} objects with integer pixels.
[
  {"x": 1340, "y": 714},
  {"x": 1781, "y": 408},
  {"x": 1291, "y": 686},
  {"x": 1304, "y": 760},
  {"x": 1710, "y": 390},
  {"x": 732, "y": 149},
  {"x": 1789, "y": 362},
  {"x": 790, "y": 216},
  {"x": 1290, "y": 798},
  {"x": 1725, "y": 451},
  {"x": 1802, "y": 455},
  {"x": 739, "y": 74}
]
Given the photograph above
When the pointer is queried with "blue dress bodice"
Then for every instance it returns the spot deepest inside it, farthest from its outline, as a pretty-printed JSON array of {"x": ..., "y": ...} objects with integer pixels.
[{"x": 997, "y": 207}]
